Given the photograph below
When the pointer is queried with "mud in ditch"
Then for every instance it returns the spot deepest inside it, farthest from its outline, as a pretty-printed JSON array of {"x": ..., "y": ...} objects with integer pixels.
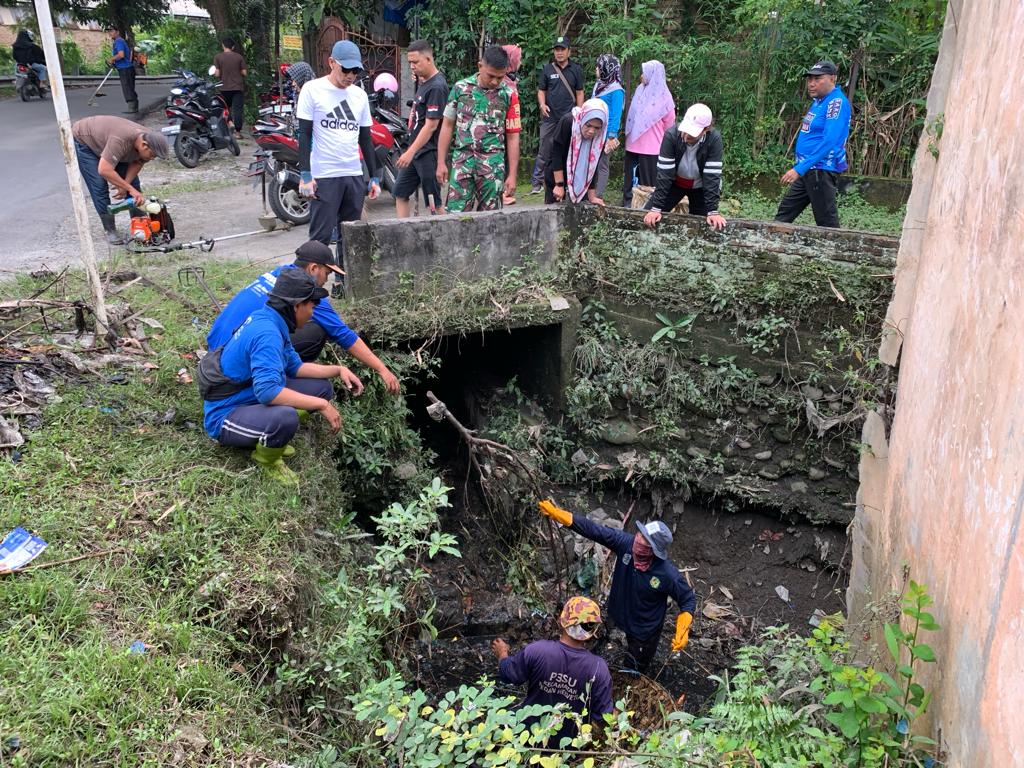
[
  {"x": 724, "y": 555},
  {"x": 510, "y": 583}
]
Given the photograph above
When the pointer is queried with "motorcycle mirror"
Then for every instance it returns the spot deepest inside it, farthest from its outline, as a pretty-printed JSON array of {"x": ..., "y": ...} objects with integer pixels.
[{"x": 212, "y": 70}]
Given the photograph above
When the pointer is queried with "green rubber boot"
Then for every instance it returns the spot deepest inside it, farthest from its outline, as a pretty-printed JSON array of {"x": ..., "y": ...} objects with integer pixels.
[
  {"x": 289, "y": 451},
  {"x": 272, "y": 461},
  {"x": 303, "y": 415}
]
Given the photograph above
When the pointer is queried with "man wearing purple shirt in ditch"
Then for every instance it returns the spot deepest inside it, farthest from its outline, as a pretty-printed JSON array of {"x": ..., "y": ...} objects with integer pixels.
[{"x": 562, "y": 671}]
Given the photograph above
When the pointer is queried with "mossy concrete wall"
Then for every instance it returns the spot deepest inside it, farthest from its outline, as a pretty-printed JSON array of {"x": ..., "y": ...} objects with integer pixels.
[{"x": 757, "y": 446}]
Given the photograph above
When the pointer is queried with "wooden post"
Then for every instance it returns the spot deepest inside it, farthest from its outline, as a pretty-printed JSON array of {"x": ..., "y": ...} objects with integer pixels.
[{"x": 67, "y": 142}]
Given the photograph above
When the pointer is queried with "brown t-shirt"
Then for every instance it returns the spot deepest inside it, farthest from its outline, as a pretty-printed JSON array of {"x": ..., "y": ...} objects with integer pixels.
[
  {"x": 111, "y": 138},
  {"x": 230, "y": 66}
]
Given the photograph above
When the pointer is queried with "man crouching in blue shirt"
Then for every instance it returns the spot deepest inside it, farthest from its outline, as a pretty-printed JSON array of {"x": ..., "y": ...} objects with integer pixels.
[
  {"x": 820, "y": 150},
  {"x": 642, "y": 583},
  {"x": 315, "y": 258},
  {"x": 562, "y": 671},
  {"x": 253, "y": 385}
]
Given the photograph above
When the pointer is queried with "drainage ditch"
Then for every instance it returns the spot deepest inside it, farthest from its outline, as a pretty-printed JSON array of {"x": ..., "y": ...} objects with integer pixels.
[{"x": 750, "y": 567}]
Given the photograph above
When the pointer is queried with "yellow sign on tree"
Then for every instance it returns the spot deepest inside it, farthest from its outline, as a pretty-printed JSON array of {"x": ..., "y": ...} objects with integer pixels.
[{"x": 292, "y": 41}]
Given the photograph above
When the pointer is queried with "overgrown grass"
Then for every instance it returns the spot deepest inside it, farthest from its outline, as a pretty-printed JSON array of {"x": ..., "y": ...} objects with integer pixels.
[
  {"x": 854, "y": 211},
  {"x": 214, "y": 568}
]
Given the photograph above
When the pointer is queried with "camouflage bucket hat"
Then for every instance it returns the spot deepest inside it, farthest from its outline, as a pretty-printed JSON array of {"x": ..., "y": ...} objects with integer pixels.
[{"x": 579, "y": 611}]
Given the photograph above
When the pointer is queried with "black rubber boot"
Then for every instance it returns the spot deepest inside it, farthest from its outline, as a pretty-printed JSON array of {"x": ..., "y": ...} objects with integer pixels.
[
  {"x": 113, "y": 236},
  {"x": 133, "y": 108}
]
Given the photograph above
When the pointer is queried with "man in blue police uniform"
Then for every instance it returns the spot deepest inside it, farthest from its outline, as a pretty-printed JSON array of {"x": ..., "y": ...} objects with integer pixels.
[
  {"x": 642, "y": 583},
  {"x": 820, "y": 150},
  {"x": 316, "y": 259}
]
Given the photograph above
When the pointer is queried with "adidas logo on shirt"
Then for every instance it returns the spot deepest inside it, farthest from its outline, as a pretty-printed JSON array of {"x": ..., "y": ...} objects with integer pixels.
[{"x": 341, "y": 118}]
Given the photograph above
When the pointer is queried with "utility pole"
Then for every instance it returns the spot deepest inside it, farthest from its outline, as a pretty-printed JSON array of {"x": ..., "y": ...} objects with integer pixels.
[{"x": 67, "y": 142}]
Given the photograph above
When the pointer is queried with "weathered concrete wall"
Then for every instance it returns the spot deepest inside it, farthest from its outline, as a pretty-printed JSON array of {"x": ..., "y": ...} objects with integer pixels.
[
  {"x": 945, "y": 495},
  {"x": 742, "y": 432},
  {"x": 381, "y": 254}
]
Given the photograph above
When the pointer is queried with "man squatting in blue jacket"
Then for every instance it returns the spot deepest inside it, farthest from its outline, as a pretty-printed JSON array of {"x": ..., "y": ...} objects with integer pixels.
[{"x": 254, "y": 386}]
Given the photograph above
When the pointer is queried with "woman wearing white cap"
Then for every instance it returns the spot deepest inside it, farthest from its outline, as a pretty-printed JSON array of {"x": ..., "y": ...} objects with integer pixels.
[{"x": 690, "y": 166}]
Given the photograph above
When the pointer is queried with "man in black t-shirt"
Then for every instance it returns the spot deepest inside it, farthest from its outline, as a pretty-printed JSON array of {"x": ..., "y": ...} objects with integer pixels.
[
  {"x": 418, "y": 164},
  {"x": 559, "y": 90}
]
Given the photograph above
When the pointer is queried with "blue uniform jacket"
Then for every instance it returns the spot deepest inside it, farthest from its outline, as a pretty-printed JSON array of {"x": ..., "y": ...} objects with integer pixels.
[
  {"x": 821, "y": 142},
  {"x": 638, "y": 599},
  {"x": 120, "y": 46},
  {"x": 254, "y": 296},
  {"x": 261, "y": 353},
  {"x": 615, "y": 100}
]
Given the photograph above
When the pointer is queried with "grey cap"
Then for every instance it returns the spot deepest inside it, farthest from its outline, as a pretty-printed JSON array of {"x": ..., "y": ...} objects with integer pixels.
[
  {"x": 657, "y": 535},
  {"x": 156, "y": 141},
  {"x": 295, "y": 286}
]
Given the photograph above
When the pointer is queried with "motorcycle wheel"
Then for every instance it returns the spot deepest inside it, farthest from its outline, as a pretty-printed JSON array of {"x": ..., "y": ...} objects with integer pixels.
[
  {"x": 186, "y": 151},
  {"x": 286, "y": 203},
  {"x": 233, "y": 146},
  {"x": 25, "y": 96}
]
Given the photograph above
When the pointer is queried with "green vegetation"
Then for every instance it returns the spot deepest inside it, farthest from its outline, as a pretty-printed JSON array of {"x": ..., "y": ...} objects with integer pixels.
[
  {"x": 790, "y": 701},
  {"x": 744, "y": 58},
  {"x": 181, "y": 44},
  {"x": 854, "y": 211}
]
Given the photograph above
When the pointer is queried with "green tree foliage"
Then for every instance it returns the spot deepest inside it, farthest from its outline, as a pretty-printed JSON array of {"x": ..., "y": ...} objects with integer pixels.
[{"x": 744, "y": 58}]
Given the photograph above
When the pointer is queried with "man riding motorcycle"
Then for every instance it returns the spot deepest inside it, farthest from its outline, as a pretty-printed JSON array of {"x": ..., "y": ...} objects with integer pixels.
[{"x": 31, "y": 55}]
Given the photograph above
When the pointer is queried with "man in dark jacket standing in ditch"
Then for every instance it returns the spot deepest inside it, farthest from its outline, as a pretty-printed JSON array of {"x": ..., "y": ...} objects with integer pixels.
[
  {"x": 690, "y": 166},
  {"x": 643, "y": 581}
]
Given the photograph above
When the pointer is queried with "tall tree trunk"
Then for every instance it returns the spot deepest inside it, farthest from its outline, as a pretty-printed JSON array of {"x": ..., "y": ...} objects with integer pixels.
[{"x": 221, "y": 15}]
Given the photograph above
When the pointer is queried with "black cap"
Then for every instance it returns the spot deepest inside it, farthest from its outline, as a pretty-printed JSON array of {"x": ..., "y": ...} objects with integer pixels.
[
  {"x": 561, "y": 42},
  {"x": 295, "y": 286},
  {"x": 823, "y": 67},
  {"x": 315, "y": 252}
]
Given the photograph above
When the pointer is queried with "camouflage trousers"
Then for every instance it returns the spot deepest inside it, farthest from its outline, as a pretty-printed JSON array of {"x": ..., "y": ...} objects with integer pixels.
[{"x": 476, "y": 183}]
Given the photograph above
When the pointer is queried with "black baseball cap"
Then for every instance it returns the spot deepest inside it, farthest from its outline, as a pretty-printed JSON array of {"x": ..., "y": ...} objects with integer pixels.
[
  {"x": 315, "y": 252},
  {"x": 823, "y": 67},
  {"x": 561, "y": 42},
  {"x": 295, "y": 286}
]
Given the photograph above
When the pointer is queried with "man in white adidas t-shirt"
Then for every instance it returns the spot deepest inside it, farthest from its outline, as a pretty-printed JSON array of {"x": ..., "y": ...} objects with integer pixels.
[{"x": 334, "y": 125}]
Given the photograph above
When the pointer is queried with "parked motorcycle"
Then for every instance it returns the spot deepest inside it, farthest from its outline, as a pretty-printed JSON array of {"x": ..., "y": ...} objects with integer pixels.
[
  {"x": 200, "y": 125},
  {"x": 26, "y": 83},
  {"x": 277, "y": 156}
]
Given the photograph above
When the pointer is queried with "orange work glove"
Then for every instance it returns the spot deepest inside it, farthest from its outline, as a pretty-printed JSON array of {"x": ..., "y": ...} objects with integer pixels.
[
  {"x": 682, "y": 637},
  {"x": 559, "y": 515}
]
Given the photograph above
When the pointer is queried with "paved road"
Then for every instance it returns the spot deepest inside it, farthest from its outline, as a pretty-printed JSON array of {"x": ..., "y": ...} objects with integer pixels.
[{"x": 36, "y": 201}]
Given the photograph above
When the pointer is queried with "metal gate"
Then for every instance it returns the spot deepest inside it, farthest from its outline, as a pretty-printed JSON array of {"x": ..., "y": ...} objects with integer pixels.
[{"x": 378, "y": 55}]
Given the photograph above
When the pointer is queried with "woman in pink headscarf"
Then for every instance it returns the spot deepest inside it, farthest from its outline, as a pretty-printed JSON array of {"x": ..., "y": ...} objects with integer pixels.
[
  {"x": 576, "y": 150},
  {"x": 651, "y": 112},
  {"x": 515, "y": 58}
]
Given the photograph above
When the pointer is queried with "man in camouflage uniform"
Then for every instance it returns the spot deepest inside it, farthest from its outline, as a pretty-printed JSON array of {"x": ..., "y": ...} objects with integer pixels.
[{"x": 482, "y": 115}]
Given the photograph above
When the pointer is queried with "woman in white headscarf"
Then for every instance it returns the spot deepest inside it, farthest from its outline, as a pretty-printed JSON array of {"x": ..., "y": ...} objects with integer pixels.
[
  {"x": 651, "y": 112},
  {"x": 576, "y": 150}
]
